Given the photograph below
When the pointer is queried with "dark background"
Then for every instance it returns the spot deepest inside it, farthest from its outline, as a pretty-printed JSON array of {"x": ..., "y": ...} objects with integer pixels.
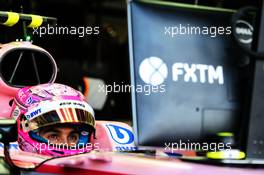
[{"x": 102, "y": 56}]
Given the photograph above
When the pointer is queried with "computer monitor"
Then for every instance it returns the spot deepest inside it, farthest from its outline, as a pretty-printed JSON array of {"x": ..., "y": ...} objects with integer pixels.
[{"x": 184, "y": 71}]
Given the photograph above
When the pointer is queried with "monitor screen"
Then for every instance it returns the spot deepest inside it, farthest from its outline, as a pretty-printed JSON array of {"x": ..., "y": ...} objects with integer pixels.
[{"x": 184, "y": 72}]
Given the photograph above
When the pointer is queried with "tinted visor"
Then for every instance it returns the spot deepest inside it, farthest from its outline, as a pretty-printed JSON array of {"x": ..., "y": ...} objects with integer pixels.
[{"x": 62, "y": 115}]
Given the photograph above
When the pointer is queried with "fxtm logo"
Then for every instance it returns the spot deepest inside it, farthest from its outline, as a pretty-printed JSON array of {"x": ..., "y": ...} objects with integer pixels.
[
  {"x": 244, "y": 30},
  {"x": 120, "y": 135},
  {"x": 154, "y": 71}
]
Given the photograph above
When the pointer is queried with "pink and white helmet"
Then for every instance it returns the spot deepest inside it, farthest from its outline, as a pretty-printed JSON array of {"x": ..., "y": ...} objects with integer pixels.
[{"x": 45, "y": 105}]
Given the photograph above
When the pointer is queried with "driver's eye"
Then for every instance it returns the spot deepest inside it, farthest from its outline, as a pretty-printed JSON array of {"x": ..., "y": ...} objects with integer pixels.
[
  {"x": 53, "y": 137},
  {"x": 73, "y": 138}
]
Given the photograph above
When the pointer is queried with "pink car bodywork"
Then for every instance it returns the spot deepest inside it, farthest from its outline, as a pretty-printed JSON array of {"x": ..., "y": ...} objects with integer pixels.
[
  {"x": 7, "y": 92},
  {"x": 110, "y": 135}
]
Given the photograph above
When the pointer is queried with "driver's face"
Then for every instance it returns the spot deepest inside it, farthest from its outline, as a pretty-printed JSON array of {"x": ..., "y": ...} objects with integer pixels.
[{"x": 60, "y": 135}]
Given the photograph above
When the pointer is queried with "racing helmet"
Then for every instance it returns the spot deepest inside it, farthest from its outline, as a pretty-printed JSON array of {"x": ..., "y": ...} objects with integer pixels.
[{"x": 37, "y": 107}]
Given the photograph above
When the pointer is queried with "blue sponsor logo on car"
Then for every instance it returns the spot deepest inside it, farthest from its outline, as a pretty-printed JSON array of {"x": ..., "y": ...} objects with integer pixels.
[{"x": 120, "y": 135}]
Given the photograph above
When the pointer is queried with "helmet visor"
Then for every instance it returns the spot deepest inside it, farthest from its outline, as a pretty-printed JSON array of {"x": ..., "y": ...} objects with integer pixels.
[{"x": 62, "y": 115}]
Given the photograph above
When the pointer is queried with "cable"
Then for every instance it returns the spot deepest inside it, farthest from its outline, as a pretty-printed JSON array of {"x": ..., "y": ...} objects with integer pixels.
[
  {"x": 14, "y": 169},
  {"x": 13, "y": 74},
  {"x": 35, "y": 67}
]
